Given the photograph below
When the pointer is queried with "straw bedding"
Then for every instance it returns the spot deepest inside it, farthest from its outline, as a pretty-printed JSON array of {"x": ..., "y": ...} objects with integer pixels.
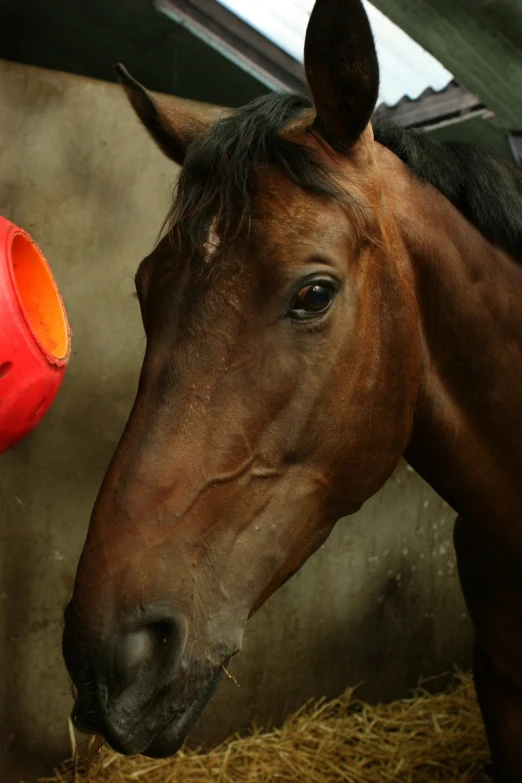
[{"x": 424, "y": 739}]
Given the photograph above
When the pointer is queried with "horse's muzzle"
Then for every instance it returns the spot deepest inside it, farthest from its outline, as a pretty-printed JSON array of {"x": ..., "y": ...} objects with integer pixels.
[{"x": 135, "y": 685}]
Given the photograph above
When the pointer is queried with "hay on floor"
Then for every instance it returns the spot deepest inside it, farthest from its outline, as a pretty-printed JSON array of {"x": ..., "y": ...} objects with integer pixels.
[{"x": 425, "y": 739}]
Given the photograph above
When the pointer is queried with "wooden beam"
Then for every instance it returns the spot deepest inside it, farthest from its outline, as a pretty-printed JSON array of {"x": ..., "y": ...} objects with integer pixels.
[
  {"x": 236, "y": 39},
  {"x": 432, "y": 106},
  {"x": 468, "y": 45},
  {"x": 474, "y": 129}
]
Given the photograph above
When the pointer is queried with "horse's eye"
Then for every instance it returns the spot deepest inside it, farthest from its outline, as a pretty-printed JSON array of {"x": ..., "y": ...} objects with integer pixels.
[{"x": 312, "y": 300}]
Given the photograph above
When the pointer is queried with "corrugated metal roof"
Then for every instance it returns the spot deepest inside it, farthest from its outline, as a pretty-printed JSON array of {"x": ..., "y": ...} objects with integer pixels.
[
  {"x": 406, "y": 68},
  {"x": 452, "y": 103}
]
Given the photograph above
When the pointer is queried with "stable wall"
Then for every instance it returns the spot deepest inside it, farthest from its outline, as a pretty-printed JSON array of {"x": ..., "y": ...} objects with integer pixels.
[{"x": 378, "y": 604}]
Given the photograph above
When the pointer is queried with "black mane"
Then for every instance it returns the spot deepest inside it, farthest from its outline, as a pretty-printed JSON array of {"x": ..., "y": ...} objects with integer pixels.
[
  {"x": 486, "y": 189},
  {"x": 213, "y": 185},
  {"x": 214, "y": 181}
]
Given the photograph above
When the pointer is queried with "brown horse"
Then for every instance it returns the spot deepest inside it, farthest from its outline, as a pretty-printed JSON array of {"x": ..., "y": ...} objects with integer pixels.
[{"x": 327, "y": 298}]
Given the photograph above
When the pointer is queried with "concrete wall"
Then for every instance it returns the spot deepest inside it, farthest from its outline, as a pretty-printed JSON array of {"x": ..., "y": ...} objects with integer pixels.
[{"x": 379, "y": 603}]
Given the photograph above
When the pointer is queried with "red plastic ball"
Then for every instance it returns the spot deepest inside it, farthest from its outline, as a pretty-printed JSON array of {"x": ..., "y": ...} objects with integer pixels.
[{"x": 35, "y": 339}]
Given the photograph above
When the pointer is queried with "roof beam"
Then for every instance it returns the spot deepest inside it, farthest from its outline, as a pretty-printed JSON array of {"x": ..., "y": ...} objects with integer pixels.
[
  {"x": 469, "y": 46},
  {"x": 432, "y": 106},
  {"x": 237, "y": 40}
]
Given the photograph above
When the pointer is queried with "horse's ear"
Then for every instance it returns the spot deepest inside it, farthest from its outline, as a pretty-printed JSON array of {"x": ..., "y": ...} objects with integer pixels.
[
  {"x": 342, "y": 70},
  {"x": 170, "y": 124}
]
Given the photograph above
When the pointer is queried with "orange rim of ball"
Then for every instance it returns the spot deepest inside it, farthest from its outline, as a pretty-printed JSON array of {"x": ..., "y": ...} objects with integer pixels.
[{"x": 39, "y": 298}]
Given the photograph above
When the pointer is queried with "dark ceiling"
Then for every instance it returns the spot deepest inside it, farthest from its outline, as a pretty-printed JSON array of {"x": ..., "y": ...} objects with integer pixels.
[{"x": 88, "y": 36}]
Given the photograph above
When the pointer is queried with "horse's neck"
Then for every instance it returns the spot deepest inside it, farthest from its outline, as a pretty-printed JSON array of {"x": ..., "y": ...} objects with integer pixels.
[{"x": 467, "y": 432}]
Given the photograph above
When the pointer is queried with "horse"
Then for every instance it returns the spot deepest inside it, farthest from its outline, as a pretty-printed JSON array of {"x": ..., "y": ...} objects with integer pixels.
[{"x": 329, "y": 294}]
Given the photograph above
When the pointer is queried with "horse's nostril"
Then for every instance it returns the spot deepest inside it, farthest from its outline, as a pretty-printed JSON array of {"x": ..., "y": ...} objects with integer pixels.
[
  {"x": 134, "y": 650},
  {"x": 153, "y": 644},
  {"x": 138, "y": 647}
]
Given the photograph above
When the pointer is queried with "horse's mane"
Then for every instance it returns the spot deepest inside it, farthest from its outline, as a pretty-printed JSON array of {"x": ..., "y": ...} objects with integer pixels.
[
  {"x": 486, "y": 189},
  {"x": 213, "y": 187}
]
